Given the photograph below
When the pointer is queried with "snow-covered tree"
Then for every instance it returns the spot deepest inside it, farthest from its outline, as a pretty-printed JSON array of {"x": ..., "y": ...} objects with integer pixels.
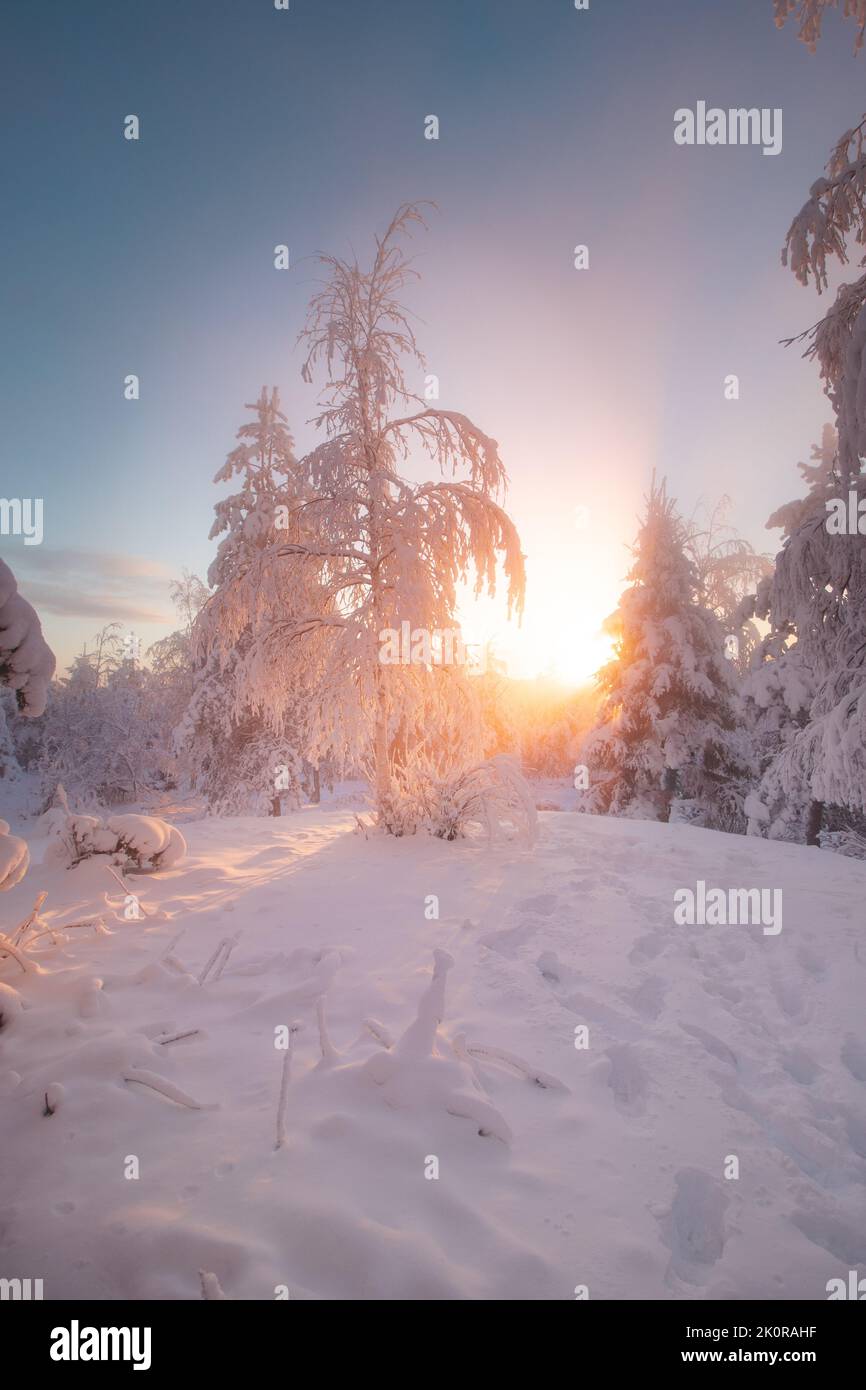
[
  {"x": 10, "y": 768},
  {"x": 26, "y": 661},
  {"x": 105, "y": 738},
  {"x": 241, "y": 752},
  {"x": 364, "y": 549},
  {"x": 819, "y": 588},
  {"x": 727, "y": 569},
  {"x": 809, "y": 15},
  {"x": 667, "y": 718}
]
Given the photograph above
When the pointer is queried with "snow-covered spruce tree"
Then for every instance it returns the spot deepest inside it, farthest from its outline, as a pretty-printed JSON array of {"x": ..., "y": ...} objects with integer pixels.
[
  {"x": 778, "y": 686},
  {"x": 365, "y": 549},
  {"x": 819, "y": 587},
  {"x": 667, "y": 723},
  {"x": 240, "y": 752}
]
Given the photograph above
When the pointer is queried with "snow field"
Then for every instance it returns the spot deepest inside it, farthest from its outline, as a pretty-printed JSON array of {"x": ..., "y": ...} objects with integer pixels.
[{"x": 600, "y": 1166}]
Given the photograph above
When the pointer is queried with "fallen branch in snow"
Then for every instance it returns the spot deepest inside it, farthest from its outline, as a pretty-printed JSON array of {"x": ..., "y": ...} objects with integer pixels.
[
  {"x": 176, "y": 1037},
  {"x": 379, "y": 1032},
  {"x": 225, "y": 945},
  {"x": 95, "y": 922},
  {"x": 128, "y": 893},
  {"x": 230, "y": 944},
  {"x": 329, "y": 1052},
  {"x": 516, "y": 1064},
  {"x": 165, "y": 1088},
  {"x": 53, "y": 1098},
  {"x": 458, "y": 1047},
  {"x": 286, "y": 1077},
  {"x": 210, "y": 1288}
]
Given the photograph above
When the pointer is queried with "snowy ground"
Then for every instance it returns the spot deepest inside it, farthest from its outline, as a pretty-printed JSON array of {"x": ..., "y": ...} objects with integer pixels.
[{"x": 704, "y": 1042}]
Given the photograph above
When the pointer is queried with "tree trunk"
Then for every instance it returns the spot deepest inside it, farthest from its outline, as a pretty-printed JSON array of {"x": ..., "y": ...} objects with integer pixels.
[
  {"x": 813, "y": 822},
  {"x": 276, "y": 808},
  {"x": 378, "y": 490},
  {"x": 317, "y": 786},
  {"x": 383, "y": 770}
]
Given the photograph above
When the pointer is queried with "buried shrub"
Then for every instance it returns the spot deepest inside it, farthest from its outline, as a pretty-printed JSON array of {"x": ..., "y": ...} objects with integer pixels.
[{"x": 491, "y": 796}]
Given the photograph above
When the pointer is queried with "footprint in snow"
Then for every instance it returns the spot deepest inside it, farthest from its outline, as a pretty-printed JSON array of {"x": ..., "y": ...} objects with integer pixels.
[
  {"x": 694, "y": 1228},
  {"x": 508, "y": 941},
  {"x": 855, "y": 1126},
  {"x": 800, "y": 1066},
  {"x": 723, "y": 991},
  {"x": 711, "y": 1044},
  {"x": 544, "y": 904},
  {"x": 840, "y": 1238},
  {"x": 649, "y": 997},
  {"x": 646, "y": 948},
  {"x": 854, "y": 1057},
  {"x": 551, "y": 969},
  {"x": 789, "y": 999},
  {"x": 812, "y": 962},
  {"x": 627, "y": 1079}
]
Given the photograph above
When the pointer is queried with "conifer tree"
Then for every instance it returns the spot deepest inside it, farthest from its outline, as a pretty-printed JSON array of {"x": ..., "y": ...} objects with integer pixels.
[{"x": 667, "y": 719}]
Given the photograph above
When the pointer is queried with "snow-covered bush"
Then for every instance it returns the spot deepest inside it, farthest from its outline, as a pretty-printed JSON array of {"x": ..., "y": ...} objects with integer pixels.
[
  {"x": 147, "y": 841},
  {"x": 14, "y": 858},
  {"x": 848, "y": 842},
  {"x": 493, "y": 796},
  {"x": 134, "y": 842}
]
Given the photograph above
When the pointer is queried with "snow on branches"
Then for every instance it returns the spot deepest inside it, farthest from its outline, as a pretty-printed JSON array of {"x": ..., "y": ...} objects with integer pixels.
[
  {"x": 818, "y": 591},
  {"x": 357, "y": 548},
  {"x": 26, "y": 661},
  {"x": 667, "y": 717},
  {"x": 809, "y": 15}
]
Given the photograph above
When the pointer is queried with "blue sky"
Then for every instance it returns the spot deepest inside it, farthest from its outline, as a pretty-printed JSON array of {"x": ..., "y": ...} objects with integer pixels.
[{"x": 306, "y": 127}]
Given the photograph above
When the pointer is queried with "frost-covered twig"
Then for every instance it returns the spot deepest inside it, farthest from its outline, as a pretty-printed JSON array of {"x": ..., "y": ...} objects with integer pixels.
[
  {"x": 32, "y": 921},
  {"x": 379, "y": 1032},
  {"x": 516, "y": 1064},
  {"x": 461, "y": 1052},
  {"x": 213, "y": 959},
  {"x": 8, "y": 949},
  {"x": 210, "y": 1288},
  {"x": 329, "y": 1052},
  {"x": 169, "y": 950},
  {"x": 229, "y": 944},
  {"x": 53, "y": 1098},
  {"x": 165, "y": 1088},
  {"x": 285, "y": 1078}
]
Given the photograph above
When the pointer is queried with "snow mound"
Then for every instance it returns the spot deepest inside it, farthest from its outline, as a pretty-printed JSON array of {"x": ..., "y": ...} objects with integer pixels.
[{"x": 14, "y": 858}]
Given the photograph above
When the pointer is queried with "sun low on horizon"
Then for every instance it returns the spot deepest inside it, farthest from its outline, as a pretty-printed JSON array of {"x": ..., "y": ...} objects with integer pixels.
[{"x": 575, "y": 576}]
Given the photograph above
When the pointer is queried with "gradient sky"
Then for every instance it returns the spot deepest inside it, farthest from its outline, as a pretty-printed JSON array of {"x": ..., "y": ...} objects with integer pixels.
[{"x": 260, "y": 127}]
